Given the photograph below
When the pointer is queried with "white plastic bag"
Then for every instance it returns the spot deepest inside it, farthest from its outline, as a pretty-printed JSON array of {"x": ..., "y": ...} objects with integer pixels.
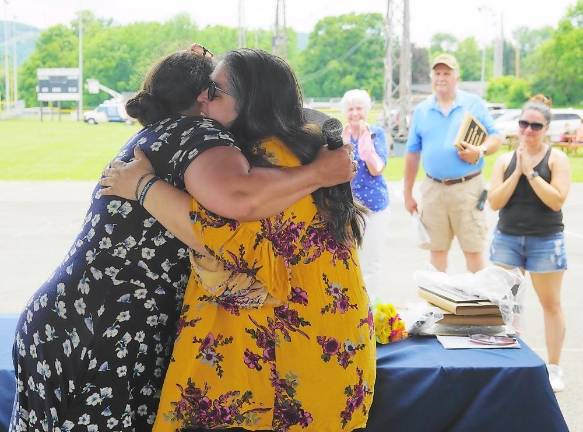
[
  {"x": 499, "y": 285},
  {"x": 419, "y": 317},
  {"x": 420, "y": 232}
]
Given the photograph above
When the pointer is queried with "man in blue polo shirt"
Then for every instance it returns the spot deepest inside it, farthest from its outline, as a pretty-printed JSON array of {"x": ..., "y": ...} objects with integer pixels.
[{"x": 452, "y": 188}]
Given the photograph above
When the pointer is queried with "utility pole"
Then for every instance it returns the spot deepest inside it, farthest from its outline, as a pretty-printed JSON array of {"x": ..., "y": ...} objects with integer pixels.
[
  {"x": 404, "y": 73},
  {"x": 499, "y": 50},
  {"x": 517, "y": 59},
  {"x": 14, "y": 64},
  {"x": 396, "y": 109},
  {"x": 483, "y": 69},
  {"x": 6, "y": 59},
  {"x": 388, "y": 88},
  {"x": 242, "y": 37},
  {"x": 80, "y": 85},
  {"x": 279, "y": 42}
]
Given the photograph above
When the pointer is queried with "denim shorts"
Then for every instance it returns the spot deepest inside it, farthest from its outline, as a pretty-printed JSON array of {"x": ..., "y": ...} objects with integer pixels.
[{"x": 535, "y": 254}]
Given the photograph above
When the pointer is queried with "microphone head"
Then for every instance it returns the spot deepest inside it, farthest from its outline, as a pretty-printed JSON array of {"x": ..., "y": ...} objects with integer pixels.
[{"x": 332, "y": 129}]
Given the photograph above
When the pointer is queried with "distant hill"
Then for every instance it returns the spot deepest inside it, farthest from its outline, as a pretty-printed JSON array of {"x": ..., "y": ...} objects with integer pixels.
[{"x": 25, "y": 37}]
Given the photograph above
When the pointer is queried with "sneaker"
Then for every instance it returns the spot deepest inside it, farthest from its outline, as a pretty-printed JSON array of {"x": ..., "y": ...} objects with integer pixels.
[{"x": 556, "y": 377}]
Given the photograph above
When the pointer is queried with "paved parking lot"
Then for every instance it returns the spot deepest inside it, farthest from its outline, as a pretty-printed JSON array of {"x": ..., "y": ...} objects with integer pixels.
[{"x": 39, "y": 220}]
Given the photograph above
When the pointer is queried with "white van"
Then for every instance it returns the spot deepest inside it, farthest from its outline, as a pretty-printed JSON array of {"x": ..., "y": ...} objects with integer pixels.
[{"x": 108, "y": 111}]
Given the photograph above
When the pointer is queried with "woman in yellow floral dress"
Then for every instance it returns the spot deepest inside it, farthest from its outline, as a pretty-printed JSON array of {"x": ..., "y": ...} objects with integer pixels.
[{"x": 276, "y": 331}]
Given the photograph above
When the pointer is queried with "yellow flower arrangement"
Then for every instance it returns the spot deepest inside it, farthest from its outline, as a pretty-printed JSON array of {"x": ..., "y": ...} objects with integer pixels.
[{"x": 389, "y": 327}]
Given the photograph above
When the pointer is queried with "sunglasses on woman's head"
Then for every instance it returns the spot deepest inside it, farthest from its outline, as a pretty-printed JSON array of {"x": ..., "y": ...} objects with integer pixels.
[
  {"x": 200, "y": 50},
  {"x": 523, "y": 124},
  {"x": 212, "y": 90}
]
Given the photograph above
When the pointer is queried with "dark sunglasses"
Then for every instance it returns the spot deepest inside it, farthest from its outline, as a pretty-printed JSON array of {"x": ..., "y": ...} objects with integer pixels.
[
  {"x": 523, "y": 124},
  {"x": 199, "y": 50},
  {"x": 212, "y": 90}
]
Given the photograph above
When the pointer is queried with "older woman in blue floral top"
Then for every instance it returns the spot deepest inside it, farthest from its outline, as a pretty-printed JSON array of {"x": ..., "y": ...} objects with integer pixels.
[{"x": 369, "y": 187}]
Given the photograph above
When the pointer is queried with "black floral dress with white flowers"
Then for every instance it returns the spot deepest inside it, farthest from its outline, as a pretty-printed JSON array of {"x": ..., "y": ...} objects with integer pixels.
[{"x": 93, "y": 343}]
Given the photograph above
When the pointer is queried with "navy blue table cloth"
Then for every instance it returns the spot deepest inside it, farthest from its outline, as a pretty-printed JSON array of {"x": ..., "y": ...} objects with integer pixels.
[{"x": 422, "y": 387}]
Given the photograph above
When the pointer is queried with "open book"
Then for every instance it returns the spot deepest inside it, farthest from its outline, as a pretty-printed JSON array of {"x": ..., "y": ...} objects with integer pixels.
[{"x": 470, "y": 131}]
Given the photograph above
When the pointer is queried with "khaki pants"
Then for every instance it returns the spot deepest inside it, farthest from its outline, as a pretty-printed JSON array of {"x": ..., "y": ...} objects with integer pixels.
[{"x": 448, "y": 211}]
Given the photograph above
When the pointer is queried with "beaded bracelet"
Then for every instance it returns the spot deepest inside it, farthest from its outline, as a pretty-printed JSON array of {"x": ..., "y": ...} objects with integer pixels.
[
  {"x": 147, "y": 187},
  {"x": 139, "y": 183}
]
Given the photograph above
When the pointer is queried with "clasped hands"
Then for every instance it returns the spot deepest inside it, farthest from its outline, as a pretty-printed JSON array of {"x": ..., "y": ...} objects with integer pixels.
[{"x": 524, "y": 163}]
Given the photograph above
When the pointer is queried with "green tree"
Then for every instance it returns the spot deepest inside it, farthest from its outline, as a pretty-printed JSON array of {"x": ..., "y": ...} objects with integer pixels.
[
  {"x": 469, "y": 56},
  {"x": 419, "y": 65},
  {"x": 118, "y": 56},
  {"x": 344, "y": 52},
  {"x": 511, "y": 91},
  {"x": 559, "y": 61},
  {"x": 55, "y": 48},
  {"x": 518, "y": 93},
  {"x": 443, "y": 43},
  {"x": 529, "y": 40}
]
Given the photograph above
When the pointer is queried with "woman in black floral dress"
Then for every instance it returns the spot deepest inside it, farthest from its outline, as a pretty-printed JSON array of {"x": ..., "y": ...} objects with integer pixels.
[{"x": 93, "y": 344}]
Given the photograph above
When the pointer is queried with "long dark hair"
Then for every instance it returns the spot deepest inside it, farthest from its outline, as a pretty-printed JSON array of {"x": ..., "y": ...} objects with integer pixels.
[
  {"x": 269, "y": 103},
  {"x": 171, "y": 86}
]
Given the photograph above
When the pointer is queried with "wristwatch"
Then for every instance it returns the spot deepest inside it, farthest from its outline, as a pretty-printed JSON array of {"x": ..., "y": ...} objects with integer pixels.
[{"x": 533, "y": 175}]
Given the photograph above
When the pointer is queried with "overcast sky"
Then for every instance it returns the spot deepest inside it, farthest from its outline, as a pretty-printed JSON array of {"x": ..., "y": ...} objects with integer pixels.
[{"x": 460, "y": 17}]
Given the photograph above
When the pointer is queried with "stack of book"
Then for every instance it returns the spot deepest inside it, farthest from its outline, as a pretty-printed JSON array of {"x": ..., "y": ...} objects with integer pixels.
[{"x": 462, "y": 309}]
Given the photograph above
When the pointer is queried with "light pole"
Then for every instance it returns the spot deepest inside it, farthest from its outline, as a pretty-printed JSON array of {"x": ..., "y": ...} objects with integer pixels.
[
  {"x": 6, "y": 60},
  {"x": 242, "y": 36},
  {"x": 80, "y": 85},
  {"x": 489, "y": 15},
  {"x": 499, "y": 47},
  {"x": 14, "y": 64}
]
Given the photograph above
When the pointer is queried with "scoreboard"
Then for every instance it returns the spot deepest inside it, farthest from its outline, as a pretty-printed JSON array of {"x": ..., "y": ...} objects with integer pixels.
[{"x": 58, "y": 84}]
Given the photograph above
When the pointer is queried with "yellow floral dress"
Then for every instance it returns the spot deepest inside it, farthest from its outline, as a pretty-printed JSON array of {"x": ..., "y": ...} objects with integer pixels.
[{"x": 276, "y": 331}]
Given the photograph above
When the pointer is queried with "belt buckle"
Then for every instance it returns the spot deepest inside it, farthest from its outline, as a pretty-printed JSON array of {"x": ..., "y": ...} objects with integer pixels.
[{"x": 447, "y": 182}]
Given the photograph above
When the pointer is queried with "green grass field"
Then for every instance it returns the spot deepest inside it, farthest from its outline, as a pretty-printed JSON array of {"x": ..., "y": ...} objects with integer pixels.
[
  {"x": 68, "y": 150},
  {"x": 58, "y": 150}
]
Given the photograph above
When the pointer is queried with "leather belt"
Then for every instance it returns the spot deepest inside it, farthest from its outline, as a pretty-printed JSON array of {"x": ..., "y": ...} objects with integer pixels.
[{"x": 449, "y": 182}]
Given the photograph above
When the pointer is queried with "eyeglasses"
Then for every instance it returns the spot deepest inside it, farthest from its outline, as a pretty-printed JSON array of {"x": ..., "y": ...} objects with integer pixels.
[
  {"x": 213, "y": 89},
  {"x": 523, "y": 124},
  {"x": 199, "y": 50}
]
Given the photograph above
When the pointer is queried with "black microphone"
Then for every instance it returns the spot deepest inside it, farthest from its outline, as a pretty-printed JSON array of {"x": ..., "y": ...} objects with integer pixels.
[{"x": 332, "y": 131}]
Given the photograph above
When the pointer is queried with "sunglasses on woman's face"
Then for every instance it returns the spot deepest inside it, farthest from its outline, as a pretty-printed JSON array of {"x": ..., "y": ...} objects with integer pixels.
[
  {"x": 212, "y": 90},
  {"x": 523, "y": 124}
]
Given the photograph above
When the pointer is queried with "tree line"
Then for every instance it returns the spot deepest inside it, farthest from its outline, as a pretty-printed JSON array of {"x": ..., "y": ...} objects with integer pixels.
[{"x": 342, "y": 52}]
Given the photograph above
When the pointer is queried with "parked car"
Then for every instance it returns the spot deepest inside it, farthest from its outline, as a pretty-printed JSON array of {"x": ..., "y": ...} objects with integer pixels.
[
  {"x": 497, "y": 113},
  {"x": 507, "y": 122},
  {"x": 563, "y": 120},
  {"x": 108, "y": 111},
  {"x": 495, "y": 109}
]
